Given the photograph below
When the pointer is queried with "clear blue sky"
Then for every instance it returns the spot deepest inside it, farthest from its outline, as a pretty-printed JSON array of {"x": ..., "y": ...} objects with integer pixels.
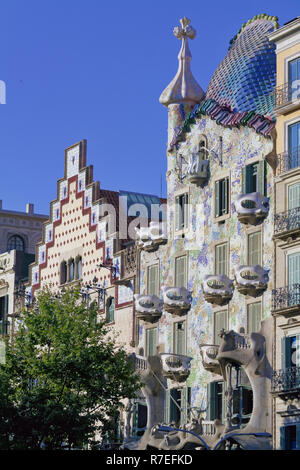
[{"x": 90, "y": 69}]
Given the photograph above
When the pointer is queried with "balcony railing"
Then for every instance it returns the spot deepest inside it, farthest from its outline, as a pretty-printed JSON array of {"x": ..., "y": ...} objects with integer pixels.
[
  {"x": 286, "y": 380},
  {"x": 287, "y": 93},
  {"x": 140, "y": 363},
  {"x": 286, "y": 297},
  {"x": 288, "y": 160},
  {"x": 287, "y": 221}
]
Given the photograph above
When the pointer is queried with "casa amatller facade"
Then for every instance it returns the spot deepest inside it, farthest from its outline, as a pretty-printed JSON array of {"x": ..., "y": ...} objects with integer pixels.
[{"x": 203, "y": 288}]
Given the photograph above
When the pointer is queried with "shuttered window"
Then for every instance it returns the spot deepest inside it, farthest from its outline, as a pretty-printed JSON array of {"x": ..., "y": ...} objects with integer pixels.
[
  {"x": 254, "y": 248},
  {"x": 151, "y": 341},
  {"x": 294, "y": 269},
  {"x": 180, "y": 272},
  {"x": 181, "y": 211},
  {"x": 152, "y": 280},
  {"x": 216, "y": 401},
  {"x": 221, "y": 258},
  {"x": 221, "y": 197},
  {"x": 294, "y": 196},
  {"x": 220, "y": 324},
  {"x": 3, "y": 314},
  {"x": 254, "y": 178},
  {"x": 180, "y": 338},
  {"x": 177, "y": 405},
  {"x": 254, "y": 317}
]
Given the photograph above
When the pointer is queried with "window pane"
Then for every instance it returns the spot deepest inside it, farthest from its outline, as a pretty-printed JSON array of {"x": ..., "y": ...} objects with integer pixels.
[
  {"x": 221, "y": 257},
  {"x": 151, "y": 339},
  {"x": 110, "y": 310},
  {"x": 15, "y": 243},
  {"x": 153, "y": 284},
  {"x": 254, "y": 317},
  {"x": 181, "y": 211},
  {"x": 294, "y": 196},
  {"x": 180, "y": 272},
  {"x": 220, "y": 324},
  {"x": 254, "y": 248},
  {"x": 294, "y": 268},
  {"x": 179, "y": 338}
]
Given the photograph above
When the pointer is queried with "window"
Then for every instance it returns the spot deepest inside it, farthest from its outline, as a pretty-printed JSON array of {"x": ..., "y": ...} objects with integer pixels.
[
  {"x": 3, "y": 314},
  {"x": 63, "y": 272},
  {"x": 139, "y": 421},
  {"x": 177, "y": 405},
  {"x": 216, "y": 401},
  {"x": 294, "y": 196},
  {"x": 254, "y": 178},
  {"x": 179, "y": 345},
  {"x": 221, "y": 259},
  {"x": 220, "y": 324},
  {"x": 290, "y": 437},
  {"x": 16, "y": 243},
  {"x": 180, "y": 272},
  {"x": 181, "y": 211},
  {"x": 294, "y": 145},
  {"x": 294, "y": 78},
  {"x": 221, "y": 197},
  {"x": 290, "y": 353},
  {"x": 110, "y": 310},
  {"x": 151, "y": 341},
  {"x": 254, "y": 248},
  {"x": 202, "y": 148},
  {"x": 293, "y": 261},
  {"x": 78, "y": 268},
  {"x": 152, "y": 280},
  {"x": 254, "y": 317}
]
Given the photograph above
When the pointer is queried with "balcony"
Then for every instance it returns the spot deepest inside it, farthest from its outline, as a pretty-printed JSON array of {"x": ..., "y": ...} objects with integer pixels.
[
  {"x": 176, "y": 300},
  {"x": 149, "y": 238},
  {"x": 217, "y": 289},
  {"x": 209, "y": 354},
  {"x": 175, "y": 366},
  {"x": 148, "y": 307},
  {"x": 287, "y": 97},
  {"x": 286, "y": 383},
  {"x": 287, "y": 161},
  {"x": 252, "y": 208},
  {"x": 198, "y": 171},
  {"x": 251, "y": 280},
  {"x": 287, "y": 224},
  {"x": 286, "y": 300}
]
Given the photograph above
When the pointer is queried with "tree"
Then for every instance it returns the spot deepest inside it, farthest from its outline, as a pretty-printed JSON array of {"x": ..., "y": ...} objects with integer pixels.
[{"x": 64, "y": 377}]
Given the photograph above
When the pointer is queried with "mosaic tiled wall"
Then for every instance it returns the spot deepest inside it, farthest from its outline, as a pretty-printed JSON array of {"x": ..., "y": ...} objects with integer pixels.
[{"x": 239, "y": 147}]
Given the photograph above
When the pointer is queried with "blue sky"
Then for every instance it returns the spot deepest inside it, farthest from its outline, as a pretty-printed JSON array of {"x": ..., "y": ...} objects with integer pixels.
[{"x": 90, "y": 69}]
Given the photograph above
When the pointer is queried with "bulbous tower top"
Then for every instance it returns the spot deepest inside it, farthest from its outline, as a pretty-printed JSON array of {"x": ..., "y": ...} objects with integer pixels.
[{"x": 183, "y": 88}]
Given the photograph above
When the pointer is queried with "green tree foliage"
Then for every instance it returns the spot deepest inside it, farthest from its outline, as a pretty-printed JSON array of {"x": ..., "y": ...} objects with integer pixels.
[{"x": 64, "y": 377}]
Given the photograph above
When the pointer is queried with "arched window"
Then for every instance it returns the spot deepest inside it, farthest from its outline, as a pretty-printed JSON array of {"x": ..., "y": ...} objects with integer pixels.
[
  {"x": 78, "y": 268},
  {"x": 63, "y": 272},
  {"x": 16, "y": 243},
  {"x": 110, "y": 309},
  {"x": 71, "y": 270}
]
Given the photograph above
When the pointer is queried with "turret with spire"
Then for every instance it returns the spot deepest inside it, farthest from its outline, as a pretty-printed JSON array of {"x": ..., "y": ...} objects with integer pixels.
[{"x": 183, "y": 92}]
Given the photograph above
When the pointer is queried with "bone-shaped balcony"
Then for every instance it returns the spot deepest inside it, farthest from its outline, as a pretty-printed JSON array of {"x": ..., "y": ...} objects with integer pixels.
[
  {"x": 209, "y": 354},
  {"x": 176, "y": 300},
  {"x": 197, "y": 172},
  {"x": 251, "y": 280},
  {"x": 252, "y": 208},
  {"x": 148, "y": 307},
  {"x": 149, "y": 238},
  {"x": 217, "y": 289},
  {"x": 175, "y": 366}
]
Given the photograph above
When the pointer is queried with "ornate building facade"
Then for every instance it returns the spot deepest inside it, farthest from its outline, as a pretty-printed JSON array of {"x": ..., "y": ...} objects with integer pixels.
[{"x": 205, "y": 293}]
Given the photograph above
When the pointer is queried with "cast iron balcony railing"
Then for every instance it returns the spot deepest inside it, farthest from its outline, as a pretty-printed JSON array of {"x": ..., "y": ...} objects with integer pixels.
[
  {"x": 286, "y": 222},
  {"x": 288, "y": 160},
  {"x": 286, "y": 297},
  {"x": 286, "y": 382},
  {"x": 287, "y": 93}
]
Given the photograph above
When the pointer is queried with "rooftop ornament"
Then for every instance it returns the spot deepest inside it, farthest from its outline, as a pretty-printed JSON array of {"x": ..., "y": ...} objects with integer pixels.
[{"x": 183, "y": 88}]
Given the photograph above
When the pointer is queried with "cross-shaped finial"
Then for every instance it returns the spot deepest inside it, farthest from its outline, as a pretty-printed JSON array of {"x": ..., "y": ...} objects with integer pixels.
[{"x": 185, "y": 30}]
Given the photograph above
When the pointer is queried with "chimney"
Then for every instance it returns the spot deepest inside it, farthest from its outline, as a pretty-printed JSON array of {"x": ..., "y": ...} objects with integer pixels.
[{"x": 29, "y": 208}]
